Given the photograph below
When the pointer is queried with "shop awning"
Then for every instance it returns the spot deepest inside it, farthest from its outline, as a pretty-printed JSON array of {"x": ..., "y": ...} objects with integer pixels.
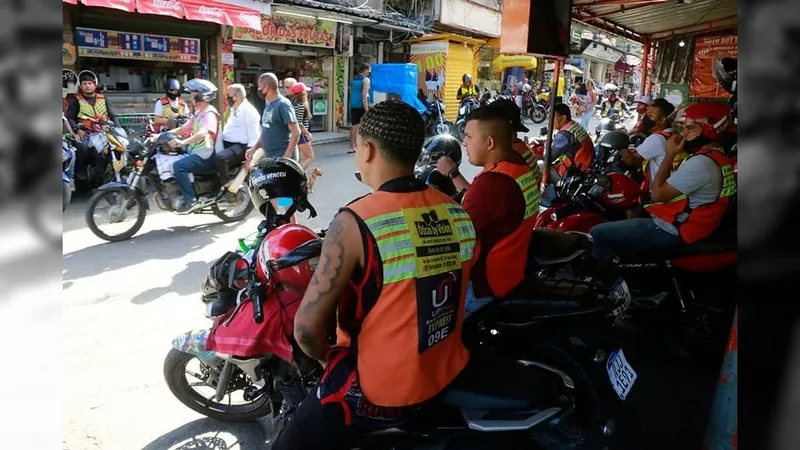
[
  {"x": 507, "y": 61},
  {"x": 71, "y": 2},
  {"x": 212, "y": 11}
]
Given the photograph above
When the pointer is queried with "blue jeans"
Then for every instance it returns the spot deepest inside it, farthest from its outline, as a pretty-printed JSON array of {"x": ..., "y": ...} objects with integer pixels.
[
  {"x": 609, "y": 239},
  {"x": 585, "y": 119},
  {"x": 191, "y": 164}
]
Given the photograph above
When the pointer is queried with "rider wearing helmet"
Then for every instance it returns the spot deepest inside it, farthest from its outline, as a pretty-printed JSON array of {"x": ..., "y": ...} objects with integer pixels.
[
  {"x": 170, "y": 106},
  {"x": 692, "y": 200},
  {"x": 611, "y": 100},
  {"x": 503, "y": 202},
  {"x": 467, "y": 88},
  {"x": 383, "y": 257},
  {"x": 85, "y": 105},
  {"x": 200, "y": 145}
]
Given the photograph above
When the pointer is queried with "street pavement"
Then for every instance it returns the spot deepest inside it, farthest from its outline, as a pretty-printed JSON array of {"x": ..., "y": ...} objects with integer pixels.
[{"x": 124, "y": 303}]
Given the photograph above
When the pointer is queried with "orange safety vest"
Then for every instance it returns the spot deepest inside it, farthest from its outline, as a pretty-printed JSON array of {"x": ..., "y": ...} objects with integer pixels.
[
  {"x": 167, "y": 108},
  {"x": 408, "y": 342},
  {"x": 703, "y": 220},
  {"x": 86, "y": 111},
  {"x": 585, "y": 150},
  {"x": 505, "y": 263}
]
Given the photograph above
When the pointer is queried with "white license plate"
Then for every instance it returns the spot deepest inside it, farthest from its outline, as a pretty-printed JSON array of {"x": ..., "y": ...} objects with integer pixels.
[
  {"x": 620, "y": 373},
  {"x": 462, "y": 110},
  {"x": 621, "y": 291}
]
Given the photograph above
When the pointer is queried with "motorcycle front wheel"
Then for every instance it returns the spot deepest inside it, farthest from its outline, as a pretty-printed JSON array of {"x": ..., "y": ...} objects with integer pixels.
[
  {"x": 539, "y": 114},
  {"x": 175, "y": 373},
  {"x": 66, "y": 194},
  {"x": 119, "y": 203}
]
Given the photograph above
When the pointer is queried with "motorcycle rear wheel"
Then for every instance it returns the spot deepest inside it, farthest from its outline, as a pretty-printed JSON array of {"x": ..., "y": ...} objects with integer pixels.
[
  {"x": 241, "y": 195},
  {"x": 175, "y": 376}
]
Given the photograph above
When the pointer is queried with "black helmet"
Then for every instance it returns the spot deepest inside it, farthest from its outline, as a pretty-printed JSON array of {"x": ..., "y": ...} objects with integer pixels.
[
  {"x": 162, "y": 143},
  {"x": 725, "y": 72},
  {"x": 636, "y": 140},
  {"x": 271, "y": 178},
  {"x": 172, "y": 85},
  {"x": 616, "y": 140},
  {"x": 436, "y": 147},
  {"x": 204, "y": 90},
  {"x": 430, "y": 176},
  {"x": 466, "y": 78},
  {"x": 510, "y": 110}
]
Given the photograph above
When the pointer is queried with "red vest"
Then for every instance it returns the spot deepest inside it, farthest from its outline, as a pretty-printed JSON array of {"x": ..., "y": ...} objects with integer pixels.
[{"x": 704, "y": 219}]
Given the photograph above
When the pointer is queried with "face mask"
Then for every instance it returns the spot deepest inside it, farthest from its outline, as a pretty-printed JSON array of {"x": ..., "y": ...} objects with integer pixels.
[
  {"x": 696, "y": 144},
  {"x": 261, "y": 94},
  {"x": 172, "y": 96},
  {"x": 231, "y": 101},
  {"x": 648, "y": 123}
]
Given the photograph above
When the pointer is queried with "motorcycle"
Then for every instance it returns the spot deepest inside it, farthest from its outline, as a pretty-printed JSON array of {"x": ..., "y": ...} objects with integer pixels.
[
  {"x": 109, "y": 160},
  {"x": 231, "y": 204},
  {"x": 68, "y": 168},
  {"x": 468, "y": 104},
  {"x": 612, "y": 122},
  {"x": 435, "y": 123},
  {"x": 533, "y": 108},
  {"x": 541, "y": 409}
]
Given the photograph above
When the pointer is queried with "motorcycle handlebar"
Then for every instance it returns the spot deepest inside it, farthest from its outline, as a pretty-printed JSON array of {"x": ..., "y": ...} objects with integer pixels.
[{"x": 258, "y": 308}]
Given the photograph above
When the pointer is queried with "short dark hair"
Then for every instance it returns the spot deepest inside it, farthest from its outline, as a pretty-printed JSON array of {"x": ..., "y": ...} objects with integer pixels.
[
  {"x": 363, "y": 67},
  {"x": 562, "y": 109},
  {"x": 494, "y": 122},
  {"x": 397, "y": 129},
  {"x": 664, "y": 105}
]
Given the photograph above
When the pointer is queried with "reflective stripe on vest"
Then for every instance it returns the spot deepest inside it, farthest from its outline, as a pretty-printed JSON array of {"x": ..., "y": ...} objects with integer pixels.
[
  {"x": 468, "y": 90},
  {"x": 409, "y": 345},
  {"x": 703, "y": 220},
  {"x": 580, "y": 134},
  {"x": 167, "y": 108},
  {"x": 86, "y": 111},
  {"x": 505, "y": 263},
  {"x": 207, "y": 143},
  {"x": 522, "y": 150}
]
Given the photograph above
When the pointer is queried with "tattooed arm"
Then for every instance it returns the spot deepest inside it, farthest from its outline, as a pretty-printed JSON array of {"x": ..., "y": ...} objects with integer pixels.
[{"x": 341, "y": 251}]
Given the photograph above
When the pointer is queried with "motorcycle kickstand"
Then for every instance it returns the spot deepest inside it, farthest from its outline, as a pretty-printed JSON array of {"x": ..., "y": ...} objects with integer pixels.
[{"x": 222, "y": 382}]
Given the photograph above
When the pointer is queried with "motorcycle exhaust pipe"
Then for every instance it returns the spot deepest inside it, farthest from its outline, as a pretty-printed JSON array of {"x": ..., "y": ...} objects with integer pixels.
[{"x": 236, "y": 183}]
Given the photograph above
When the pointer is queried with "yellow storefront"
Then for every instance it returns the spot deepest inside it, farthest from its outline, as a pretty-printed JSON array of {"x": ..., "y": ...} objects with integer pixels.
[{"x": 442, "y": 60}]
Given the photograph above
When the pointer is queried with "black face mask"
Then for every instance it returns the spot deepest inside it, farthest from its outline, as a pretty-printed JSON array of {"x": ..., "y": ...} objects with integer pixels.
[
  {"x": 231, "y": 101},
  {"x": 172, "y": 96},
  {"x": 696, "y": 144},
  {"x": 648, "y": 123},
  {"x": 261, "y": 94}
]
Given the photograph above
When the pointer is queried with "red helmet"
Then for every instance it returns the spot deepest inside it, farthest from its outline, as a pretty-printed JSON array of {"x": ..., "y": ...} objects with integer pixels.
[
  {"x": 620, "y": 192},
  {"x": 278, "y": 243},
  {"x": 713, "y": 118}
]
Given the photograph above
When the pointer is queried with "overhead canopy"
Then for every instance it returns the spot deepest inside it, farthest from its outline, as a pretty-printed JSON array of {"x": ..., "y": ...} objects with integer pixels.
[
  {"x": 656, "y": 19},
  {"x": 503, "y": 62},
  {"x": 200, "y": 10},
  {"x": 567, "y": 68}
]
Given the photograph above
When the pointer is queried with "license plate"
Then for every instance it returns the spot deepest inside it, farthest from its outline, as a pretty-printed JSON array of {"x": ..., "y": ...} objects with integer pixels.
[
  {"x": 621, "y": 291},
  {"x": 620, "y": 373},
  {"x": 462, "y": 110}
]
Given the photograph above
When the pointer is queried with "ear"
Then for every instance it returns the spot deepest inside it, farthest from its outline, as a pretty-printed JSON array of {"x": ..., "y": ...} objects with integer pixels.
[
  {"x": 371, "y": 151},
  {"x": 491, "y": 144}
]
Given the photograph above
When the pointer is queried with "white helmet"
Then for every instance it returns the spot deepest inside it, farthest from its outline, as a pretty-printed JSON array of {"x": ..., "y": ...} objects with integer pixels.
[{"x": 610, "y": 87}]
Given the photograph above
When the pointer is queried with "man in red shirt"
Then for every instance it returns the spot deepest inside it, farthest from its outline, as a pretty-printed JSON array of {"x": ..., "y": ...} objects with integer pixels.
[
  {"x": 502, "y": 202},
  {"x": 584, "y": 155}
]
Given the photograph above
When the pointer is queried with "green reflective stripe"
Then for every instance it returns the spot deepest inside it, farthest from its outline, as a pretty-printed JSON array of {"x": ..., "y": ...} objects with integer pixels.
[
  {"x": 387, "y": 223},
  {"x": 400, "y": 270},
  {"x": 395, "y": 246},
  {"x": 530, "y": 190}
]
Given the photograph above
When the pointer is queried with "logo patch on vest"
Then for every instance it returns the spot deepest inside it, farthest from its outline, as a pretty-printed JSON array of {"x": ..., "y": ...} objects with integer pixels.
[{"x": 431, "y": 226}]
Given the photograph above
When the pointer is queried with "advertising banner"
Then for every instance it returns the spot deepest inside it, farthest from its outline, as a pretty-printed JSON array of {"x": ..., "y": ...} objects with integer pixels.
[
  {"x": 707, "y": 50},
  {"x": 96, "y": 43},
  {"x": 290, "y": 30},
  {"x": 431, "y": 59}
]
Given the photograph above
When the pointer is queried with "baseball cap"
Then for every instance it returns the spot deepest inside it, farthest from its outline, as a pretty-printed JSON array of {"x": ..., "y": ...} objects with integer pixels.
[
  {"x": 508, "y": 109},
  {"x": 665, "y": 106},
  {"x": 300, "y": 87},
  {"x": 644, "y": 99}
]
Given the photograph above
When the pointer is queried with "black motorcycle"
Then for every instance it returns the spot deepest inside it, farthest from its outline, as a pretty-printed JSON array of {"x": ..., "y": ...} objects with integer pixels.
[
  {"x": 468, "y": 104},
  {"x": 435, "y": 122},
  {"x": 612, "y": 122},
  {"x": 231, "y": 204}
]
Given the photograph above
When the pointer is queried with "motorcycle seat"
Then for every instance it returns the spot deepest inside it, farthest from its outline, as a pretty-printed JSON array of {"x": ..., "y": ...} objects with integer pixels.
[
  {"x": 491, "y": 382},
  {"x": 550, "y": 247}
]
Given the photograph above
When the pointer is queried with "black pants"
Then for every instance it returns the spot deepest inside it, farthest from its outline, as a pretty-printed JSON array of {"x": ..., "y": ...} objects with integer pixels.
[
  {"x": 336, "y": 412},
  {"x": 232, "y": 154},
  {"x": 82, "y": 156}
]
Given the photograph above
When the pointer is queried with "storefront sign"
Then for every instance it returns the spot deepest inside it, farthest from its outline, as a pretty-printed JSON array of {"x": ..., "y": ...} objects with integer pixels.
[
  {"x": 431, "y": 59},
  {"x": 319, "y": 107},
  {"x": 115, "y": 44},
  {"x": 290, "y": 30},
  {"x": 227, "y": 59},
  {"x": 708, "y": 50}
]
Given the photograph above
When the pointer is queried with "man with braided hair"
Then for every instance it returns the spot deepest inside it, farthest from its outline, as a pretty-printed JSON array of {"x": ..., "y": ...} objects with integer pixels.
[{"x": 393, "y": 271}]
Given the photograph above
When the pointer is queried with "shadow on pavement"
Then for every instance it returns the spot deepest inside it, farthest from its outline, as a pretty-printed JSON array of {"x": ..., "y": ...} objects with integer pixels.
[
  {"x": 185, "y": 282},
  {"x": 172, "y": 243},
  {"x": 209, "y": 434}
]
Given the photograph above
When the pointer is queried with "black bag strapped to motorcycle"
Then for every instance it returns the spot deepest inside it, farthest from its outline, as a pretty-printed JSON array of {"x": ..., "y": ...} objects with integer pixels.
[{"x": 220, "y": 274}]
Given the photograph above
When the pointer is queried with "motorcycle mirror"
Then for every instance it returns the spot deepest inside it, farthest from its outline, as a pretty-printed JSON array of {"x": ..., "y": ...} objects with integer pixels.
[{"x": 239, "y": 275}]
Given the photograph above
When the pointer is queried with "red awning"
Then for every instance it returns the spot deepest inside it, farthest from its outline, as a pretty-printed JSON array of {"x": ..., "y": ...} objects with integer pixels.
[
  {"x": 71, "y": 2},
  {"x": 171, "y": 8},
  {"x": 122, "y": 5},
  {"x": 222, "y": 13}
]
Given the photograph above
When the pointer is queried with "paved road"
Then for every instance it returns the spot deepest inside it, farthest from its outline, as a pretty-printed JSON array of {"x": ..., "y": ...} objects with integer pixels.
[{"x": 123, "y": 304}]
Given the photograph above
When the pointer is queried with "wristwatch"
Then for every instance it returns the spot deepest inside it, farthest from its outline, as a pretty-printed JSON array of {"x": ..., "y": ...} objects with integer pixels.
[{"x": 453, "y": 173}]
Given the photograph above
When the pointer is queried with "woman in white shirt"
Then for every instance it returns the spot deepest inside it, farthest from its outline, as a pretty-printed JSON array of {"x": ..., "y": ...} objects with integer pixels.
[{"x": 242, "y": 130}]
